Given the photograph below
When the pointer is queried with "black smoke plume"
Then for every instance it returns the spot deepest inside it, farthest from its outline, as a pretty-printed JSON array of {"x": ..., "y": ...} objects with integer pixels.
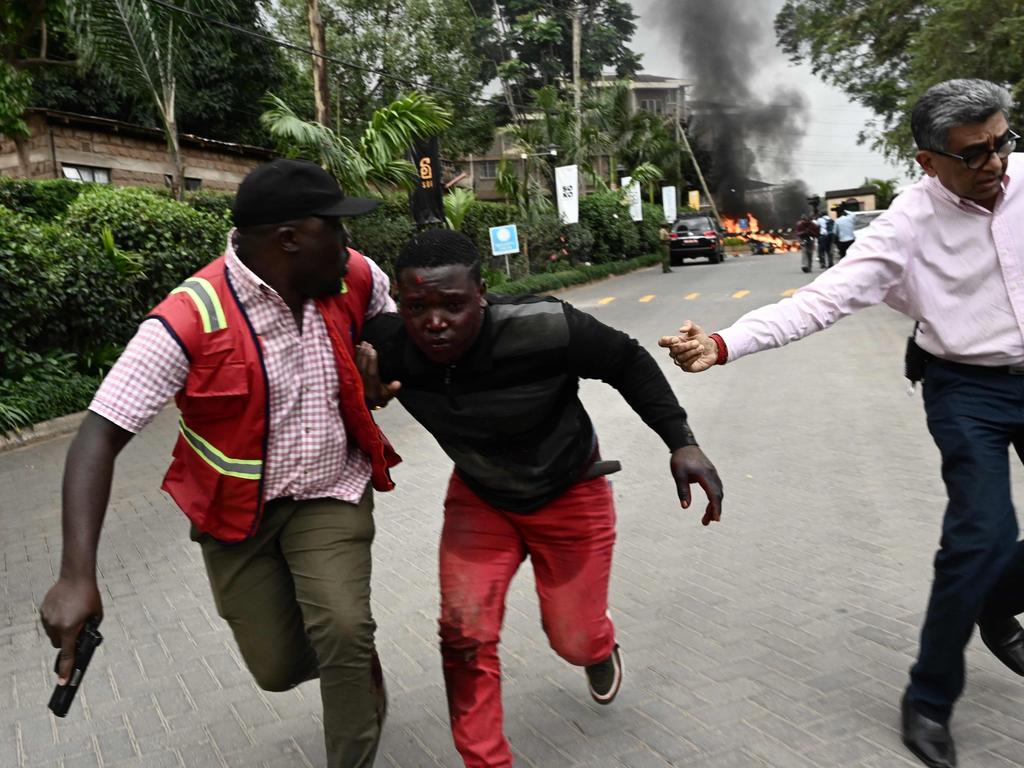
[{"x": 750, "y": 135}]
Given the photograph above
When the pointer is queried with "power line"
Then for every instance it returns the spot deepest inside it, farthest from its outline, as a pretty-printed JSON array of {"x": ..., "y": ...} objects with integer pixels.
[{"x": 326, "y": 57}]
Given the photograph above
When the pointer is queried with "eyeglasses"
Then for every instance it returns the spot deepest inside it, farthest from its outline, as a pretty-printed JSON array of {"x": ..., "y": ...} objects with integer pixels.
[{"x": 976, "y": 158}]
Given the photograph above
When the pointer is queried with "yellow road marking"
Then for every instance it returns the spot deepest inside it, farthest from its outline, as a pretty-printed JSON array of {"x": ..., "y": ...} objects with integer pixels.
[
  {"x": 647, "y": 298},
  {"x": 606, "y": 300},
  {"x": 740, "y": 294},
  {"x": 691, "y": 296},
  {"x": 789, "y": 292}
]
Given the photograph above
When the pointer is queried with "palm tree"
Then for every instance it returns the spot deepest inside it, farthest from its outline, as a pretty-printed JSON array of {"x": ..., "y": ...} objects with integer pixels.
[
  {"x": 377, "y": 158},
  {"x": 146, "y": 47},
  {"x": 885, "y": 190}
]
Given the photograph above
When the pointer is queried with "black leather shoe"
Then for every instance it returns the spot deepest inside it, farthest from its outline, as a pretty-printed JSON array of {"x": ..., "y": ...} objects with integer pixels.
[
  {"x": 930, "y": 741},
  {"x": 1005, "y": 638}
]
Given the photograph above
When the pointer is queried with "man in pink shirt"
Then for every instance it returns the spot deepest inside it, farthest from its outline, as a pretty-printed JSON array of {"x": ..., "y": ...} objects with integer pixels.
[
  {"x": 949, "y": 253},
  {"x": 276, "y": 452}
]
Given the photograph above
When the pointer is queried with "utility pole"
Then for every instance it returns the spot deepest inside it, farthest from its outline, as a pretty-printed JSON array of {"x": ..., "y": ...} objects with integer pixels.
[
  {"x": 577, "y": 86},
  {"x": 681, "y": 134},
  {"x": 318, "y": 42}
]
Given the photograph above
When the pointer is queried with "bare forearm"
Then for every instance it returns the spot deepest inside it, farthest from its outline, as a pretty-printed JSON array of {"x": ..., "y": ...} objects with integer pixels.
[{"x": 86, "y": 491}]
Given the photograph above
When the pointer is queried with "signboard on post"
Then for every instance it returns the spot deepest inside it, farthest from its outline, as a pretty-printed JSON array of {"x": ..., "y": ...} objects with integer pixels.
[
  {"x": 505, "y": 241},
  {"x": 632, "y": 189},
  {"x": 426, "y": 201},
  {"x": 567, "y": 184},
  {"x": 694, "y": 200},
  {"x": 668, "y": 203}
]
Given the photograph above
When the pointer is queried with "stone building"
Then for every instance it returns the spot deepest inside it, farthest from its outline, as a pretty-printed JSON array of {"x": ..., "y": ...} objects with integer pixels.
[{"x": 85, "y": 148}]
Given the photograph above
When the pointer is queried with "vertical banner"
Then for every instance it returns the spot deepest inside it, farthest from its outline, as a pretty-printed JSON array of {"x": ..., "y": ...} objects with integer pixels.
[
  {"x": 426, "y": 201},
  {"x": 632, "y": 190},
  {"x": 567, "y": 184},
  {"x": 668, "y": 203},
  {"x": 694, "y": 199}
]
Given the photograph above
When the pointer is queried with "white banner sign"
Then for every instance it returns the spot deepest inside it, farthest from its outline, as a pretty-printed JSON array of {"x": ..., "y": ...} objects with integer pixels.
[
  {"x": 567, "y": 182},
  {"x": 668, "y": 202},
  {"x": 632, "y": 188}
]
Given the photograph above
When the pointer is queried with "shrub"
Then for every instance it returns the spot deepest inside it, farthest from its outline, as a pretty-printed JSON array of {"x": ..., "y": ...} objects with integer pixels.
[
  {"x": 30, "y": 277},
  {"x": 616, "y": 236},
  {"x": 156, "y": 243},
  {"x": 213, "y": 202},
  {"x": 480, "y": 218},
  {"x": 553, "y": 281},
  {"x": 380, "y": 235},
  {"x": 43, "y": 200},
  {"x": 52, "y": 387}
]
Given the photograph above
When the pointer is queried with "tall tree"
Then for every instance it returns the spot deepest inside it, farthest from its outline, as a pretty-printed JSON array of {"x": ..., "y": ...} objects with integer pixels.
[
  {"x": 218, "y": 92},
  {"x": 540, "y": 50},
  {"x": 379, "y": 49},
  {"x": 886, "y": 53}
]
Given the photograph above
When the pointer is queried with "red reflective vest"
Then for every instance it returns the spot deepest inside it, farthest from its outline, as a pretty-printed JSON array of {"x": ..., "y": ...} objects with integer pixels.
[{"x": 216, "y": 475}]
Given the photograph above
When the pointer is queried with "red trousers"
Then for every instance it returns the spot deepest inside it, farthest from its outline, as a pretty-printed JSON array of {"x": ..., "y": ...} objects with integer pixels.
[{"x": 570, "y": 542}]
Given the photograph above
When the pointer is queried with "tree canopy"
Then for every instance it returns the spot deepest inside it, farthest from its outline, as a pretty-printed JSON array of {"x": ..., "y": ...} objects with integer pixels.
[{"x": 885, "y": 53}]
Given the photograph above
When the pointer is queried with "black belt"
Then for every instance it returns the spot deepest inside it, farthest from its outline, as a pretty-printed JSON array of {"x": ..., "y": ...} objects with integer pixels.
[{"x": 984, "y": 370}]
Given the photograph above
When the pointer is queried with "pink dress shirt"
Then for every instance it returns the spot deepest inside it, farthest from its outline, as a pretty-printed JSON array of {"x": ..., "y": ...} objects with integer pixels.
[
  {"x": 308, "y": 455},
  {"x": 948, "y": 263}
]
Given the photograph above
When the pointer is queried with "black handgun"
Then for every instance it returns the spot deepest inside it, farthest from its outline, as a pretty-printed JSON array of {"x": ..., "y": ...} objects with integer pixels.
[{"x": 86, "y": 643}]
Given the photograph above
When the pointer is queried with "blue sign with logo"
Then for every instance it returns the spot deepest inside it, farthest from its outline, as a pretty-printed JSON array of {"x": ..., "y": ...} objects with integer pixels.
[{"x": 504, "y": 240}]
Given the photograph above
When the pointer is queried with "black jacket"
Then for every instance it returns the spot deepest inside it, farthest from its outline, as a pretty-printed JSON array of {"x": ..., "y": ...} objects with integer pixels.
[{"x": 508, "y": 413}]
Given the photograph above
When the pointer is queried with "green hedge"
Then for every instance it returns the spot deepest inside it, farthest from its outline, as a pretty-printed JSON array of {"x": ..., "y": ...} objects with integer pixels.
[
  {"x": 543, "y": 282},
  {"x": 43, "y": 200},
  {"x": 380, "y": 235}
]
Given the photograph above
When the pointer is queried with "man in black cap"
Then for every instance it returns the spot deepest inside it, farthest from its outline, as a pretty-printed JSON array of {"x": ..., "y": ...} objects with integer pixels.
[{"x": 276, "y": 449}]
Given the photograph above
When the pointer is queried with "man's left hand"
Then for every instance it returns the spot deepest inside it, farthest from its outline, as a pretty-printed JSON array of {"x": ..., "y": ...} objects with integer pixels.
[
  {"x": 690, "y": 465},
  {"x": 377, "y": 392}
]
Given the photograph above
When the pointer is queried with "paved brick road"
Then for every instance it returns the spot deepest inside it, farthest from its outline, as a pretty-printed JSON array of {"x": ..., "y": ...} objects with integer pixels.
[{"x": 780, "y": 637}]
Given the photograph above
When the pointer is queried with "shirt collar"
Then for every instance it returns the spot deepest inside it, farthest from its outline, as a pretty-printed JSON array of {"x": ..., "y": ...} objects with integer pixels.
[
  {"x": 936, "y": 187},
  {"x": 249, "y": 285}
]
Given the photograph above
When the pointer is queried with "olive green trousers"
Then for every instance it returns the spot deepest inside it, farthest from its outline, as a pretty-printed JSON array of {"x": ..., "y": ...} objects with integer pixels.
[{"x": 297, "y": 598}]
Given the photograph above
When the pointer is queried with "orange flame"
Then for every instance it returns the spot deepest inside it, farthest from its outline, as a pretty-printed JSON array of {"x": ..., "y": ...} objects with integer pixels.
[{"x": 753, "y": 231}]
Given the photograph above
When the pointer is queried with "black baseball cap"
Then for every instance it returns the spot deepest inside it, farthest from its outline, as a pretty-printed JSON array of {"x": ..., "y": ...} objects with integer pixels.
[{"x": 286, "y": 190}]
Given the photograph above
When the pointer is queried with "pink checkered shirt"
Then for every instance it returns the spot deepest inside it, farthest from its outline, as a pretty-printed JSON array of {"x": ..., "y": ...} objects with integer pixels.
[{"x": 308, "y": 455}]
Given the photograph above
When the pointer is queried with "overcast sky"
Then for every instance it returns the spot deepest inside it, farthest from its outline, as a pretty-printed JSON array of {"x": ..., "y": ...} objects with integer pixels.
[{"x": 828, "y": 156}]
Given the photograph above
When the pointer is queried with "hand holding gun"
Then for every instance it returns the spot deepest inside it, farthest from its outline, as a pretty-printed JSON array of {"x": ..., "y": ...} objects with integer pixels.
[{"x": 88, "y": 639}]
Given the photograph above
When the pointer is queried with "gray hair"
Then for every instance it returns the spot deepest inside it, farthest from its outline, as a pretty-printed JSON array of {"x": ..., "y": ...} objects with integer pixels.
[{"x": 952, "y": 103}]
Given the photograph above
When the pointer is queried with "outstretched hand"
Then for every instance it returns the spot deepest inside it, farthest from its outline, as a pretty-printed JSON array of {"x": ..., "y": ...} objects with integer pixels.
[
  {"x": 690, "y": 465},
  {"x": 377, "y": 392},
  {"x": 693, "y": 351}
]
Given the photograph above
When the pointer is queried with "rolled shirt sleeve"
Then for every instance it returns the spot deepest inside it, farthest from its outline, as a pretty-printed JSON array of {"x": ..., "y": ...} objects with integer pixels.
[{"x": 150, "y": 371}]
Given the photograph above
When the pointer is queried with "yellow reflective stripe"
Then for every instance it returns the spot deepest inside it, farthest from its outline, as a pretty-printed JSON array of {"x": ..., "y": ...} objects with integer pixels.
[
  {"x": 207, "y": 303},
  {"x": 200, "y": 306},
  {"x": 222, "y": 321},
  {"x": 245, "y": 469}
]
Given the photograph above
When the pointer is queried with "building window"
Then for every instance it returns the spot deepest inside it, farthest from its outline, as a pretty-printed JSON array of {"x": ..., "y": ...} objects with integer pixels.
[
  {"x": 86, "y": 173},
  {"x": 487, "y": 169},
  {"x": 191, "y": 184},
  {"x": 654, "y": 106}
]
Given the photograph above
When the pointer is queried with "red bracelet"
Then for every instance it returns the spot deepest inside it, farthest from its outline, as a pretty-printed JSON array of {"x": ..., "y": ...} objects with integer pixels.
[{"x": 723, "y": 351}]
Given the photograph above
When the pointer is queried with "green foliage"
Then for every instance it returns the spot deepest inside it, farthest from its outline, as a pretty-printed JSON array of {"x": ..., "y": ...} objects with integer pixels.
[
  {"x": 616, "y": 236},
  {"x": 734, "y": 241},
  {"x": 885, "y": 190},
  {"x": 31, "y": 272},
  {"x": 378, "y": 156},
  {"x": 51, "y": 387},
  {"x": 380, "y": 235},
  {"x": 43, "y": 200},
  {"x": 75, "y": 288},
  {"x": 457, "y": 204},
  {"x": 481, "y": 217},
  {"x": 553, "y": 281},
  {"x": 105, "y": 295},
  {"x": 885, "y": 53},
  {"x": 211, "y": 201}
]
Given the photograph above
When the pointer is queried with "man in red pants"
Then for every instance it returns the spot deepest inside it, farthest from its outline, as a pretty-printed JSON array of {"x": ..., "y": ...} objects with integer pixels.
[{"x": 495, "y": 381}]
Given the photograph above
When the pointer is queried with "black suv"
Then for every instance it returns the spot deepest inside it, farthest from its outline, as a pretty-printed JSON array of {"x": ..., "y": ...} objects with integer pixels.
[{"x": 695, "y": 236}]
